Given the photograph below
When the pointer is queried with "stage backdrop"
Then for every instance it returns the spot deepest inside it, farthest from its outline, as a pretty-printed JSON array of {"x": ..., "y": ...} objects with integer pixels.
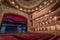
[{"x": 12, "y": 23}]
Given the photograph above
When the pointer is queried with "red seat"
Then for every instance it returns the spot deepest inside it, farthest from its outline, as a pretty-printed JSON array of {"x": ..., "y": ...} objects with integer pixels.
[
  {"x": 47, "y": 37},
  {"x": 29, "y": 36},
  {"x": 7, "y": 38},
  {"x": 55, "y": 37}
]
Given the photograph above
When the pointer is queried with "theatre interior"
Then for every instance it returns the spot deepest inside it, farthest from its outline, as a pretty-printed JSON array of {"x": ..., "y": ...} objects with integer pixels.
[{"x": 29, "y": 19}]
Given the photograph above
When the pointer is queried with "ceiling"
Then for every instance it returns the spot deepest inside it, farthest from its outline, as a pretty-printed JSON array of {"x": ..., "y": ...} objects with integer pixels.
[{"x": 29, "y": 5}]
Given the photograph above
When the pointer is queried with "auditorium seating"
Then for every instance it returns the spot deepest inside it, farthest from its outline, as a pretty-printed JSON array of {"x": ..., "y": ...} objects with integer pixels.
[
  {"x": 54, "y": 38},
  {"x": 30, "y": 36}
]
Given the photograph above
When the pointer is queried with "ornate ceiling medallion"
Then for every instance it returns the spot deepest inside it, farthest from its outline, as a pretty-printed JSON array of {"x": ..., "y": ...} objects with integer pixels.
[{"x": 30, "y": 5}]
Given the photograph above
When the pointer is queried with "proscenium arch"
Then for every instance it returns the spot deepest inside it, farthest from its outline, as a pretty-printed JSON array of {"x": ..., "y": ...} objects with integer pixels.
[{"x": 18, "y": 18}]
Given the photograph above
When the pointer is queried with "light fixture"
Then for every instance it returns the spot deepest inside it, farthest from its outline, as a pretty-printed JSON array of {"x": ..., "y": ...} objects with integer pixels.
[
  {"x": 29, "y": 10},
  {"x": 49, "y": 11},
  {"x": 45, "y": 2},
  {"x": 43, "y": 23},
  {"x": 46, "y": 22},
  {"x": 21, "y": 8},
  {"x": 55, "y": 18},
  {"x": 13, "y": 2},
  {"x": 36, "y": 8},
  {"x": 50, "y": 17},
  {"x": 24, "y": 10},
  {"x": 38, "y": 29},
  {"x": 17, "y": 6},
  {"x": 57, "y": 25},
  {"x": 33, "y": 10},
  {"x": 41, "y": 17},
  {"x": 30, "y": 5},
  {"x": 37, "y": 19},
  {"x": 40, "y": 6},
  {"x": 45, "y": 15}
]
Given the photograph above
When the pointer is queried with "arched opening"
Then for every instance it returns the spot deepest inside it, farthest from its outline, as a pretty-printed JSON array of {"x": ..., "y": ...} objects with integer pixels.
[{"x": 12, "y": 23}]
